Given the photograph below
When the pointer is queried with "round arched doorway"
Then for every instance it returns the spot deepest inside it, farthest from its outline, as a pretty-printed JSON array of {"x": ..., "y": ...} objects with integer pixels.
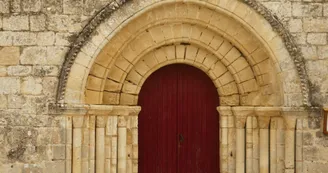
[{"x": 178, "y": 123}]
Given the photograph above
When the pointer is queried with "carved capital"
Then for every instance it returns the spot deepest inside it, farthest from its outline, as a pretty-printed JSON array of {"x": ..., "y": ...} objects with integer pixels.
[
  {"x": 240, "y": 114},
  {"x": 101, "y": 121}
]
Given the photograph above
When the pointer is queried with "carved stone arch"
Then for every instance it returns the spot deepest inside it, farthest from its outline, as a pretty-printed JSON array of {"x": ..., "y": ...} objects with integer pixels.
[
  {"x": 251, "y": 59},
  {"x": 86, "y": 41}
]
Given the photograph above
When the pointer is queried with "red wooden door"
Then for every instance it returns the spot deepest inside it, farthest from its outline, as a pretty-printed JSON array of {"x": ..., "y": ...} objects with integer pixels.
[{"x": 178, "y": 123}]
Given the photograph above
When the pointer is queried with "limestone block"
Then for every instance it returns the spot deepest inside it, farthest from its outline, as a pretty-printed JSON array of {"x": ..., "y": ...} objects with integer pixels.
[
  {"x": 15, "y": 101},
  {"x": 94, "y": 83},
  {"x": 24, "y": 38},
  {"x": 116, "y": 74},
  {"x": 231, "y": 55},
  {"x": 73, "y": 7},
  {"x": 16, "y": 23},
  {"x": 111, "y": 85},
  {"x": 157, "y": 34},
  {"x": 307, "y": 10},
  {"x": 9, "y": 55},
  {"x": 31, "y": 86},
  {"x": 160, "y": 54},
  {"x": 191, "y": 52},
  {"x": 210, "y": 60},
  {"x": 315, "y": 24},
  {"x": 49, "y": 85},
  {"x": 4, "y": 6},
  {"x": 295, "y": 25},
  {"x": 3, "y": 102},
  {"x": 45, "y": 38},
  {"x": 111, "y": 98},
  {"x": 64, "y": 39},
  {"x": 123, "y": 63},
  {"x": 52, "y": 6},
  {"x": 317, "y": 38},
  {"x": 142, "y": 68},
  {"x": 42, "y": 71},
  {"x": 38, "y": 22},
  {"x": 9, "y": 85},
  {"x": 3, "y": 71},
  {"x": 134, "y": 77},
  {"x": 6, "y": 38},
  {"x": 238, "y": 65},
  {"x": 51, "y": 55},
  {"x": 19, "y": 70},
  {"x": 225, "y": 48},
  {"x": 58, "y": 152},
  {"x": 93, "y": 97},
  {"x": 71, "y": 23},
  {"x": 31, "y": 5}
]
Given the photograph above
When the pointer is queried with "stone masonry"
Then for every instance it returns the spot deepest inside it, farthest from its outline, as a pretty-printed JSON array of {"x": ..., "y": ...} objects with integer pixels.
[{"x": 35, "y": 36}]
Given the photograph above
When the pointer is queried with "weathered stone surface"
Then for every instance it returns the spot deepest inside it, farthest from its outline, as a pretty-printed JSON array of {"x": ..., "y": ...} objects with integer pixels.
[
  {"x": 4, "y": 6},
  {"x": 6, "y": 38},
  {"x": 9, "y": 85},
  {"x": 3, "y": 102},
  {"x": 9, "y": 55},
  {"x": 19, "y": 70},
  {"x": 64, "y": 23},
  {"x": 38, "y": 22},
  {"x": 31, "y": 86},
  {"x": 45, "y": 71},
  {"x": 45, "y": 38},
  {"x": 16, "y": 23},
  {"x": 43, "y": 55},
  {"x": 31, "y": 5},
  {"x": 24, "y": 38},
  {"x": 15, "y": 101}
]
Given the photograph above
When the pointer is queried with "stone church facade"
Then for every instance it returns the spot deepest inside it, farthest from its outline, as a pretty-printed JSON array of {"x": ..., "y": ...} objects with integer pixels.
[{"x": 71, "y": 72}]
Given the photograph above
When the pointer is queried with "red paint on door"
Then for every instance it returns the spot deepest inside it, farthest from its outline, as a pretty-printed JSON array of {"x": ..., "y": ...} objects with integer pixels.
[{"x": 178, "y": 123}]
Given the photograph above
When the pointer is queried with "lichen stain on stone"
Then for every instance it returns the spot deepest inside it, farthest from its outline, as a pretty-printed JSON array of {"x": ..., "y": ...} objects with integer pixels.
[{"x": 16, "y": 153}]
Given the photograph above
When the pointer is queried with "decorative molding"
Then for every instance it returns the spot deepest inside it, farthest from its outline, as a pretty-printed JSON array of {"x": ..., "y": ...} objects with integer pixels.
[
  {"x": 290, "y": 44},
  {"x": 99, "y": 110},
  {"x": 81, "y": 40},
  {"x": 106, "y": 12}
]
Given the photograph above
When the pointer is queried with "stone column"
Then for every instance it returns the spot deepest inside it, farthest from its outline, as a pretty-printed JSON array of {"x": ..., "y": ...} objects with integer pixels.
[
  {"x": 135, "y": 155},
  {"x": 299, "y": 146},
  {"x": 77, "y": 143},
  {"x": 100, "y": 143},
  {"x": 264, "y": 115},
  {"x": 252, "y": 156},
  {"x": 240, "y": 114},
  {"x": 92, "y": 144},
  {"x": 69, "y": 143},
  {"x": 290, "y": 116},
  {"x": 225, "y": 114},
  {"x": 121, "y": 150},
  {"x": 85, "y": 145},
  {"x": 280, "y": 145},
  {"x": 273, "y": 145}
]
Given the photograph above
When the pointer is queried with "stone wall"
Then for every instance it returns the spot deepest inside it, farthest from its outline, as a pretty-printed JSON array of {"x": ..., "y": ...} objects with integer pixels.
[
  {"x": 307, "y": 20},
  {"x": 35, "y": 36}
]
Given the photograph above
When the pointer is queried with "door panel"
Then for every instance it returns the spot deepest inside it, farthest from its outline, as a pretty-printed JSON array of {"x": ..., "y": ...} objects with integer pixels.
[{"x": 178, "y": 123}]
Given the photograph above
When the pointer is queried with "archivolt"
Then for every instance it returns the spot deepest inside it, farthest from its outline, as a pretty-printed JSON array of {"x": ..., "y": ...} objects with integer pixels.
[{"x": 171, "y": 26}]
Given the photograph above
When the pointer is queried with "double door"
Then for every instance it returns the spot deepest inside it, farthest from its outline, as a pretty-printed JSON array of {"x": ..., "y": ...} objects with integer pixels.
[{"x": 178, "y": 123}]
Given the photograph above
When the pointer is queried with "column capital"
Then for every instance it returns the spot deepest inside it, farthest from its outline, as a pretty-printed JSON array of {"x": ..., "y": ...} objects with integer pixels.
[
  {"x": 78, "y": 121},
  {"x": 291, "y": 114},
  {"x": 101, "y": 121},
  {"x": 241, "y": 113},
  {"x": 224, "y": 110}
]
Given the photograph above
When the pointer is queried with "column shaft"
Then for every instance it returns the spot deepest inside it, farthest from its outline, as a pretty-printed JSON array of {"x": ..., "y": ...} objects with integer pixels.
[
  {"x": 122, "y": 145},
  {"x": 77, "y": 144}
]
